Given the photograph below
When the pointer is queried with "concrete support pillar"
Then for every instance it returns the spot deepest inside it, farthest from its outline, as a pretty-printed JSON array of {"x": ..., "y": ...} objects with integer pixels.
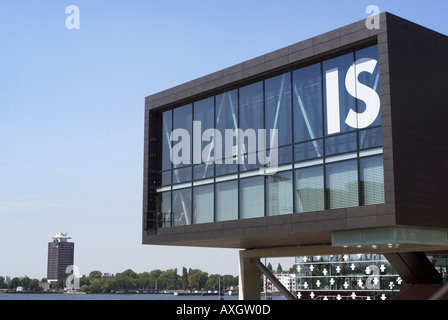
[{"x": 249, "y": 279}]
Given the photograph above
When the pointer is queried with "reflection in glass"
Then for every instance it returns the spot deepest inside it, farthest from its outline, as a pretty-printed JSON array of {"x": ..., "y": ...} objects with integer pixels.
[
  {"x": 227, "y": 119},
  {"x": 307, "y": 103},
  {"x": 370, "y": 138},
  {"x": 203, "y": 204},
  {"x": 278, "y": 108},
  {"x": 227, "y": 111},
  {"x": 164, "y": 208},
  {"x": 308, "y": 150},
  {"x": 372, "y": 179},
  {"x": 252, "y": 197},
  {"x": 338, "y": 102},
  {"x": 227, "y": 200},
  {"x": 182, "y": 207},
  {"x": 183, "y": 119},
  {"x": 181, "y": 175},
  {"x": 342, "y": 184},
  {"x": 250, "y": 162},
  {"x": 167, "y": 127},
  {"x": 279, "y": 194},
  {"x": 202, "y": 171},
  {"x": 284, "y": 154},
  {"x": 166, "y": 178},
  {"x": 340, "y": 144},
  {"x": 251, "y": 113},
  {"x": 223, "y": 169},
  {"x": 204, "y": 113},
  {"x": 309, "y": 189}
]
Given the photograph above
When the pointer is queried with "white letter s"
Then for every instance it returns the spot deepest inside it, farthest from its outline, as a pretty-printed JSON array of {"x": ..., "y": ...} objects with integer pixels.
[{"x": 362, "y": 92}]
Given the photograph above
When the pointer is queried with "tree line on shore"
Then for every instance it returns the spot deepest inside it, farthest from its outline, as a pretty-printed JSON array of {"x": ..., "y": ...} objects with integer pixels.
[
  {"x": 156, "y": 281},
  {"x": 130, "y": 281}
]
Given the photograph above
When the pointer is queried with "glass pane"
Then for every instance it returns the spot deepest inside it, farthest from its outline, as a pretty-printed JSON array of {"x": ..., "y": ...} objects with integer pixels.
[
  {"x": 203, "y": 171},
  {"x": 337, "y": 100},
  {"x": 183, "y": 119},
  {"x": 251, "y": 115},
  {"x": 222, "y": 169},
  {"x": 252, "y": 197},
  {"x": 279, "y": 193},
  {"x": 182, "y": 175},
  {"x": 342, "y": 184},
  {"x": 204, "y": 117},
  {"x": 167, "y": 127},
  {"x": 309, "y": 193},
  {"x": 203, "y": 204},
  {"x": 164, "y": 208},
  {"x": 284, "y": 154},
  {"x": 340, "y": 144},
  {"x": 371, "y": 80},
  {"x": 251, "y": 161},
  {"x": 182, "y": 207},
  {"x": 370, "y": 138},
  {"x": 308, "y": 150},
  {"x": 227, "y": 119},
  {"x": 278, "y": 108},
  {"x": 227, "y": 200},
  {"x": 307, "y": 103},
  {"x": 166, "y": 178},
  {"x": 372, "y": 179}
]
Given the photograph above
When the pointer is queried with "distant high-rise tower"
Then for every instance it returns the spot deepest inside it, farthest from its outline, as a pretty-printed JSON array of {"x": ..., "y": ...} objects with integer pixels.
[{"x": 60, "y": 256}]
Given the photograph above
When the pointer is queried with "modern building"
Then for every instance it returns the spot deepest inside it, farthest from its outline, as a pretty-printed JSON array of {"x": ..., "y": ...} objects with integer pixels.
[
  {"x": 347, "y": 277},
  {"x": 61, "y": 254},
  {"x": 288, "y": 280},
  {"x": 334, "y": 145}
]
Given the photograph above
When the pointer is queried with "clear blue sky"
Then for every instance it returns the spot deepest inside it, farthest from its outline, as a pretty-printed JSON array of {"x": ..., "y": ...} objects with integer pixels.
[{"x": 72, "y": 106}]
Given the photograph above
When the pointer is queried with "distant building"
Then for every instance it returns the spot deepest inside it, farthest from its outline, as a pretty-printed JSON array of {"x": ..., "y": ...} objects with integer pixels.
[
  {"x": 60, "y": 256},
  {"x": 288, "y": 280},
  {"x": 45, "y": 286}
]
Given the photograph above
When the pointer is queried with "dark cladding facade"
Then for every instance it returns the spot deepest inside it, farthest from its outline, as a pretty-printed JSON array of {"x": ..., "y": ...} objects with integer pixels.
[{"x": 362, "y": 146}]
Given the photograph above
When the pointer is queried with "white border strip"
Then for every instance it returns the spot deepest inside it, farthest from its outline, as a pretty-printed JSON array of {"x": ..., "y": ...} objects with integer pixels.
[
  {"x": 341, "y": 157},
  {"x": 370, "y": 152},
  {"x": 163, "y": 189},
  {"x": 202, "y": 182},
  {"x": 227, "y": 178},
  {"x": 308, "y": 163},
  {"x": 181, "y": 185}
]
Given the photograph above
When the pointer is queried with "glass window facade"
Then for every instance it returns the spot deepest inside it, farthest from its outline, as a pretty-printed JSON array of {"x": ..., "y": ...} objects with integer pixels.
[
  {"x": 371, "y": 178},
  {"x": 309, "y": 187},
  {"x": 342, "y": 184},
  {"x": 226, "y": 200},
  {"x": 279, "y": 193},
  {"x": 203, "y": 203},
  {"x": 302, "y": 141}
]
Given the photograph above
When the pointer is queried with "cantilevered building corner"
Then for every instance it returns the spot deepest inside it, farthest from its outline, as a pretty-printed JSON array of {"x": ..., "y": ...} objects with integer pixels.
[{"x": 360, "y": 123}]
